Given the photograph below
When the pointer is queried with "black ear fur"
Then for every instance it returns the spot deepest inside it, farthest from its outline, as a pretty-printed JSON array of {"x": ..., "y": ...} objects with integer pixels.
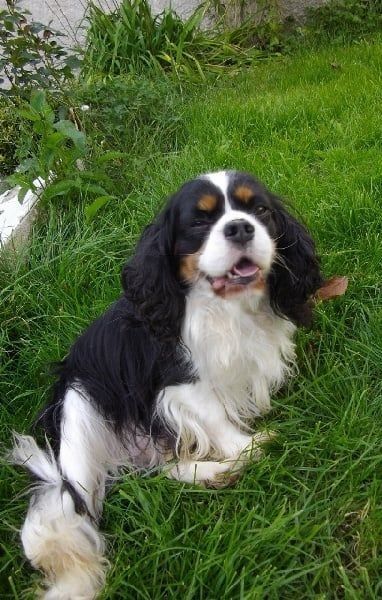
[
  {"x": 296, "y": 273},
  {"x": 150, "y": 279}
]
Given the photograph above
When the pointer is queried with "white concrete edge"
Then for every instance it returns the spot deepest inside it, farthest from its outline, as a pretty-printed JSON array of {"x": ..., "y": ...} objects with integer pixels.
[{"x": 16, "y": 217}]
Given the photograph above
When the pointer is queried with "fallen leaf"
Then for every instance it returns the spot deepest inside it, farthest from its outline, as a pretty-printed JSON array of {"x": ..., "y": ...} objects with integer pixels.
[{"x": 333, "y": 287}]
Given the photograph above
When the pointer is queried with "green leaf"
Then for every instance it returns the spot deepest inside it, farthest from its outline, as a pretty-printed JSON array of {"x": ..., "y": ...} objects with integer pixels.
[
  {"x": 20, "y": 179},
  {"x": 68, "y": 129},
  {"x": 28, "y": 164},
  {"x": 93, "y": 188},
  {"x": 95, "y": 177},
  {"x": 54, "y": 139},
  {"x": 92, "y": 209},
  {"x": 22, "y": 193},
  {"x": 9, "y": 25},
  {"x": 40, "y": 126},
  {"x": 73, "y": 62},
  {"x": 27, "y": 114},
  {"x": 41, "y": 111},
  {"x": 38, "y": 100},
  {"x": 60, "y": 189}
]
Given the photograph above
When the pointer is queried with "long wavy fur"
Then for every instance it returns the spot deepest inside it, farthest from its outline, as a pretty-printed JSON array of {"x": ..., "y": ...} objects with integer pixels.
[{"x": 295, "y": 275}]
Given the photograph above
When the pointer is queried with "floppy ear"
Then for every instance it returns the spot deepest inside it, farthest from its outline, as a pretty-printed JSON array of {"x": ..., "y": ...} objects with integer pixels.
[
  {"x": 150, "y": 279},
  {"x": 296, "y": 273}
]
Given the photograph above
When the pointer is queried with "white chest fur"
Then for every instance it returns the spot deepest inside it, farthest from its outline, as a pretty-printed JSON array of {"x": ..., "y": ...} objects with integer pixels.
[{"x": 239, "y": 347}]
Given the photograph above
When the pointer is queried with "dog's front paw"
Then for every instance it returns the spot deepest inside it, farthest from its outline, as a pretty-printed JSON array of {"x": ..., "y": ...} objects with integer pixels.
[
  {"x": 208, "y": 473},
  {"x": 255, "y": 449}
]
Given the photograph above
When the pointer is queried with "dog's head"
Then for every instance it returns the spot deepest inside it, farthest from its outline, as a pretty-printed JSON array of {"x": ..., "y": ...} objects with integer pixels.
[{"x": 228, "y": 234}]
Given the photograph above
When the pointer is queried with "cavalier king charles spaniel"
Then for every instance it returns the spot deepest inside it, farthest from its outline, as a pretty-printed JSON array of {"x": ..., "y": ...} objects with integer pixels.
[{"x": 173, "y": 374}]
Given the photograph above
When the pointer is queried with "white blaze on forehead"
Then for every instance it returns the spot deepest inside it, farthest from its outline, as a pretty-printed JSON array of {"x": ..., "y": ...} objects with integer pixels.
[{"x": 221, "y": 180}]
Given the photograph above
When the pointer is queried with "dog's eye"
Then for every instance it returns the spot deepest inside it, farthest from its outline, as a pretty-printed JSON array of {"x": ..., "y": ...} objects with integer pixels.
[
  {"x": 261, "y": 210},
  {"x": 201, "y": 222}
]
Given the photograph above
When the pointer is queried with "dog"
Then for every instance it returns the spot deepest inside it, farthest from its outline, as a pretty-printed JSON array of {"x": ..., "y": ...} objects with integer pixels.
[{"x": 174, "y": 373}]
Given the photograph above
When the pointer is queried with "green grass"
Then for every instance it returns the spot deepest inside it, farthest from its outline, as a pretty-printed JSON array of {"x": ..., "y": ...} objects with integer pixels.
[{"x": 305, "y": 522}]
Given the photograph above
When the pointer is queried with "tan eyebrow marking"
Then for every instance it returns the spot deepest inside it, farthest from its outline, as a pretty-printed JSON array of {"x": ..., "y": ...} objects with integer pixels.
[
  {"x": 207, "y": 202},
  {"x": 243, "y": 193}
]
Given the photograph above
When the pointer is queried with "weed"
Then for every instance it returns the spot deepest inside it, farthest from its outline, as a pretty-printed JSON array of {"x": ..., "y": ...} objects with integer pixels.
[
  {"x": 57, "y": 156},
  {"x": 31, "y": 56}
]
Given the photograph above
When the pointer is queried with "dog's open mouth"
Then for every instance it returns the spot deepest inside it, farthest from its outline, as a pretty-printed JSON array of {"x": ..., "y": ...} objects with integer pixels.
[{"x": 242, "y": 273}]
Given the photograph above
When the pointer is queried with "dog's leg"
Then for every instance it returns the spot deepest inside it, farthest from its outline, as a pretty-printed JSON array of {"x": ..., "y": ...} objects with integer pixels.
[
  {"x": 217, "y": 474},
  {"x": 203, "y": 430},
  {"x": 60, "y": 534}
]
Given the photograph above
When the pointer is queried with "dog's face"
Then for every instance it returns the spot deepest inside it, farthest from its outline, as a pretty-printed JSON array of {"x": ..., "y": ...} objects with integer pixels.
[{"x": 226, "y": 232}]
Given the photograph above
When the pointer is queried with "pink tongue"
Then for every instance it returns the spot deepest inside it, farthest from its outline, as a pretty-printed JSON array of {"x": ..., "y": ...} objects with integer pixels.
[
  {"x": 245, "y": 268},
  {"x": 219, "y": 282}
]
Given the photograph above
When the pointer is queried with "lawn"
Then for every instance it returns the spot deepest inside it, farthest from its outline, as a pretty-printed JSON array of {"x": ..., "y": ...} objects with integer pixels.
[{"x": 306, "y": 521}]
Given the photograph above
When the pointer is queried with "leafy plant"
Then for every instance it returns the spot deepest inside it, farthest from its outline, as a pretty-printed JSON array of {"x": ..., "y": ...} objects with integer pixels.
[
  {"x": 30, "y": 55},
  {"x": 132, "y": 40},
  {"x": 57, "y": 157}
]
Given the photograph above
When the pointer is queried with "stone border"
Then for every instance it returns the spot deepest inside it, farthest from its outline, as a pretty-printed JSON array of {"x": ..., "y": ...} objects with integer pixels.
[{"x": 16, "y": 217}]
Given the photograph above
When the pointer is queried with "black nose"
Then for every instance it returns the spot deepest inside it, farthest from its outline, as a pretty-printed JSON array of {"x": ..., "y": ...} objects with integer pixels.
[{"x": 239, "y": 231}]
